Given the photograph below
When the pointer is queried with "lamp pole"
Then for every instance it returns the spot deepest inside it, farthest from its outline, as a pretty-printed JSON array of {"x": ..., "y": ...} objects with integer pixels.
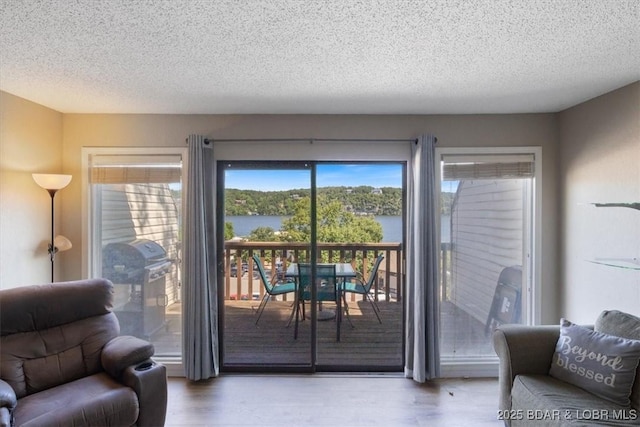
[
  {"x": 52, "y": 183},
  {"x": 52, "y": 248}
]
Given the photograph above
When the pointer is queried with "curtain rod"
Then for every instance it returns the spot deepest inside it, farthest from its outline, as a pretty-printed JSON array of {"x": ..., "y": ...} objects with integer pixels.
[{"x": 310, "y": 140}]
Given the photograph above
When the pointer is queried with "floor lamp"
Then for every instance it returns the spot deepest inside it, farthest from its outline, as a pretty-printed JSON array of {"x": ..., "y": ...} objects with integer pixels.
[{"x": 52, "y": 183}]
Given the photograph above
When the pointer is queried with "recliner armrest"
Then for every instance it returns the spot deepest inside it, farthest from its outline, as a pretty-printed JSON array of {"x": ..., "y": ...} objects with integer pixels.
[
  {"x": 523, "y": 350},
  {"x": 123, "y": 352},
  {"x": 149, "y": 380},
  {"x": 8, "y": 403}
]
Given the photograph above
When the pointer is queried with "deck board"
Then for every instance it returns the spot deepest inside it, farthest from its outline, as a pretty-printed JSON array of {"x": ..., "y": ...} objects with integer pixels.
[{"x": 272, "y": 341}]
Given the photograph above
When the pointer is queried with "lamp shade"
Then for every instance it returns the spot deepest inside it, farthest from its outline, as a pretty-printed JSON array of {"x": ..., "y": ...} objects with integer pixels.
[
  {"x": 61, "y": 243},
  {"x": 50, "y": 181}
]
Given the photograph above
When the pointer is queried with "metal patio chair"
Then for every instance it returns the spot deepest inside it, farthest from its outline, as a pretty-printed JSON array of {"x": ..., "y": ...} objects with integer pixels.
[
  {"x": 362, "y": 287},
  {"x": 272, "y": 287}
]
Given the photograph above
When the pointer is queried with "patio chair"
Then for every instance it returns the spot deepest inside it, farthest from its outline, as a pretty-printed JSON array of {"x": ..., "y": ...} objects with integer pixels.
[
  {"x": 362, "y": 287},
  {"x": 272, "y": 288},
  {"x": 505, "y": 307}
]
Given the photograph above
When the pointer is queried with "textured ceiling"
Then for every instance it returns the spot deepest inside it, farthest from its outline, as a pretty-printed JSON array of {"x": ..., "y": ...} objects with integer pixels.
[{"x": 325, "y": 56}]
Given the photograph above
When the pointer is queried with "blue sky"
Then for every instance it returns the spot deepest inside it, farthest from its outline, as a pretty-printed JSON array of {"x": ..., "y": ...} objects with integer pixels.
[{"x": 328, "y": 175}]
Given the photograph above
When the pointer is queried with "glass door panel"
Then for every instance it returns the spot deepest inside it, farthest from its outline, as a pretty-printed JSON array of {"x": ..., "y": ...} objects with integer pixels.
[
  {"x": 360, "y": 218},
  {"x": 486, "y": 241},
  {"x": 315, "y": 216},
  {"x": 136, "y": 211},
  {"x": 265, "y": 206}
]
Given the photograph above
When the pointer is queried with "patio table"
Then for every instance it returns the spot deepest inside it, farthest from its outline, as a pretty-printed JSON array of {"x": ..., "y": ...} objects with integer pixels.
[{"x": 344, "y": 271}]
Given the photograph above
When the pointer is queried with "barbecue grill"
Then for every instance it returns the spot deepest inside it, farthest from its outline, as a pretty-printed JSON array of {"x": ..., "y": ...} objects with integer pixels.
[{"x": 140, "y": 268}]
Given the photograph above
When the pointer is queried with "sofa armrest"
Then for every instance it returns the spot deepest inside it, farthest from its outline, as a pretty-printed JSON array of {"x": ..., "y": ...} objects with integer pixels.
[
  {"x": 149, "y": 380},
  {"x": 123, "y": 352},
  {"x": 522, "y": 350},
  {"x": 8, "y": 403}
]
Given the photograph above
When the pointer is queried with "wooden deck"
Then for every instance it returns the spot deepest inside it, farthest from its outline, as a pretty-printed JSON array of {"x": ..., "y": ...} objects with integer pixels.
[{"x": 369, "y": 345}]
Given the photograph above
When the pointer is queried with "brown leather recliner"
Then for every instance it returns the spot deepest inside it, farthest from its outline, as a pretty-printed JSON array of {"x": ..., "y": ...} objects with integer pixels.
[{"x": 62, "y": 362}]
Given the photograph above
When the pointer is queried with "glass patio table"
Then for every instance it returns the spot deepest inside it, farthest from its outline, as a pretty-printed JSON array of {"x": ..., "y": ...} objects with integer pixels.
[{"x": 344, "y": 271}]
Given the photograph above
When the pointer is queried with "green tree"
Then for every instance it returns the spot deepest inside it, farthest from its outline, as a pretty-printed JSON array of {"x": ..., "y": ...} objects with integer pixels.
[
  {"x": 335, "y": 224},
  {"x": 263, "y": 234},
  {"x": 297, "y": 228},
  {"x": 228, "y": 231}
]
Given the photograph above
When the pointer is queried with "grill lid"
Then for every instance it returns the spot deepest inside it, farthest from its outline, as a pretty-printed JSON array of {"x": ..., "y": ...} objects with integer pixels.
[
  {"x": 133, "y": 255},
  {"x": 150, "y": 250}
]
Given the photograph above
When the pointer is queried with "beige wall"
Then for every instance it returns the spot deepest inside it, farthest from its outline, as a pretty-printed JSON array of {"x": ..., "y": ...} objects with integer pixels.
[
  {"x": 30, "y": 142},
  {"x": 451, "y": 130},
  {"x": 600, "y": 162}
]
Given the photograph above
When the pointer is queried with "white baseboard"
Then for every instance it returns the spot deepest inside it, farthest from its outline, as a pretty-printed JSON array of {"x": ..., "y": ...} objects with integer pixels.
[
  {"x": 469, "y": 368},
  {"x": 173, "y": 365}
]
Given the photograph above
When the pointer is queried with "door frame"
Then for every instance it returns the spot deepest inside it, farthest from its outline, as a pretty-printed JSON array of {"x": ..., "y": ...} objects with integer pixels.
[
  {"x": 485, "y": 367},
  {"x": 221, "y": 167}
]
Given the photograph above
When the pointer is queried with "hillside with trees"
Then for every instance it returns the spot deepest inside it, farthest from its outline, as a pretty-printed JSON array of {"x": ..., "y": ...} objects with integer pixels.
[{"x": 358, "y": 200}]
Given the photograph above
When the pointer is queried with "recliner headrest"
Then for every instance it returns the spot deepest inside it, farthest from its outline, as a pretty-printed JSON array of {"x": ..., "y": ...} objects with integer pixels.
[{"x": 32, "y": 308}]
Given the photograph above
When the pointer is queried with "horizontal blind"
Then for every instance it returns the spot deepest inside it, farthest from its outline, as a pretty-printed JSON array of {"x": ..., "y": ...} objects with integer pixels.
[
  {"x": 134, "y": 175},
  {"x": 127, "y": 169},
  {"x": 487, "y": 167}
]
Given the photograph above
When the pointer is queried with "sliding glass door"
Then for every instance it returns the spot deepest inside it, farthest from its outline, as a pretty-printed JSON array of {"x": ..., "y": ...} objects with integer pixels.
[
  {"x": 135, "y": 229},
  {"x": 488, "y": 248},
  {"x": 360, "y": 222},
  {"x": 279, "y": 217},
  {"x": 266, "y": 230}
]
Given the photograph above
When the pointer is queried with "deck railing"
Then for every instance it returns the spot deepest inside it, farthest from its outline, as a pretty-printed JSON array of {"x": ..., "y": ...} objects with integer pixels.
[{"x": 241, "y": 283}]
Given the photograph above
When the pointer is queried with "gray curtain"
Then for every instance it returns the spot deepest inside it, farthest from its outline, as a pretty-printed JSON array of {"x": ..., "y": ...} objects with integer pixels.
[
  {"x": 422, "y": 357},
  {"x": 200, "y": 300}
]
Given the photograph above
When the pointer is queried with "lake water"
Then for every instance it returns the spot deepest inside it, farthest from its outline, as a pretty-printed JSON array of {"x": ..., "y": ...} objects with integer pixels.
[{"x": 391, "y": 225}]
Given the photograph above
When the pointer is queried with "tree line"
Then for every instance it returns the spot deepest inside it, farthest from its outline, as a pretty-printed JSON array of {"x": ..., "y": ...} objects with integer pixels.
[{"x": 359, "y": 200}]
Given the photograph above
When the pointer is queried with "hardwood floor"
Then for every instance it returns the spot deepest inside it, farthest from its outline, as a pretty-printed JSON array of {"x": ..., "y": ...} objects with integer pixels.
[{"x": 331, "y": 400}]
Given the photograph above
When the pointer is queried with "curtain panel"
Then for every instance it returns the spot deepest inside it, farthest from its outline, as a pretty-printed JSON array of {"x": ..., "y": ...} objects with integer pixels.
[
  {"x": 422, "y": 353},
  {"x": 200, "y": 310}
]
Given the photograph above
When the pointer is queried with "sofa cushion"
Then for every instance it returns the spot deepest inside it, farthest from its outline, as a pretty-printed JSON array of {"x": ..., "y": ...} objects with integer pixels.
[
  {"x": 623, "y": 325},
  {"x": 602, "y": 364},
  {"x": 541, "y": 400},
  {"x": 96, "y": 400}
]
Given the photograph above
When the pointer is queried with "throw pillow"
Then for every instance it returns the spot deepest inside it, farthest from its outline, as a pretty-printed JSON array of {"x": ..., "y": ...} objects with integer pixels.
[
  {"x": 602, "y": 364},
  {"x": 624, "y": 325}
]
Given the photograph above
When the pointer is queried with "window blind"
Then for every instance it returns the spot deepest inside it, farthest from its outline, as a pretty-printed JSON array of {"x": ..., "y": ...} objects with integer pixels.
[
  {"x": 487, "y": 167},
  {"x": 162, "y": 169}
]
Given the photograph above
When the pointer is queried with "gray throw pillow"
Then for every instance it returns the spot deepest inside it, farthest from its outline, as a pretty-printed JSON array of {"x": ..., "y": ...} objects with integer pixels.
[
  {"x": 624, "y": 325},
  {"x": 602, "y": 364}
]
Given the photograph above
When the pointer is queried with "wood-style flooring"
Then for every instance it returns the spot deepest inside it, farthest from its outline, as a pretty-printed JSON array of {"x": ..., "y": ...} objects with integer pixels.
[{"x": 345, "y": 400}]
